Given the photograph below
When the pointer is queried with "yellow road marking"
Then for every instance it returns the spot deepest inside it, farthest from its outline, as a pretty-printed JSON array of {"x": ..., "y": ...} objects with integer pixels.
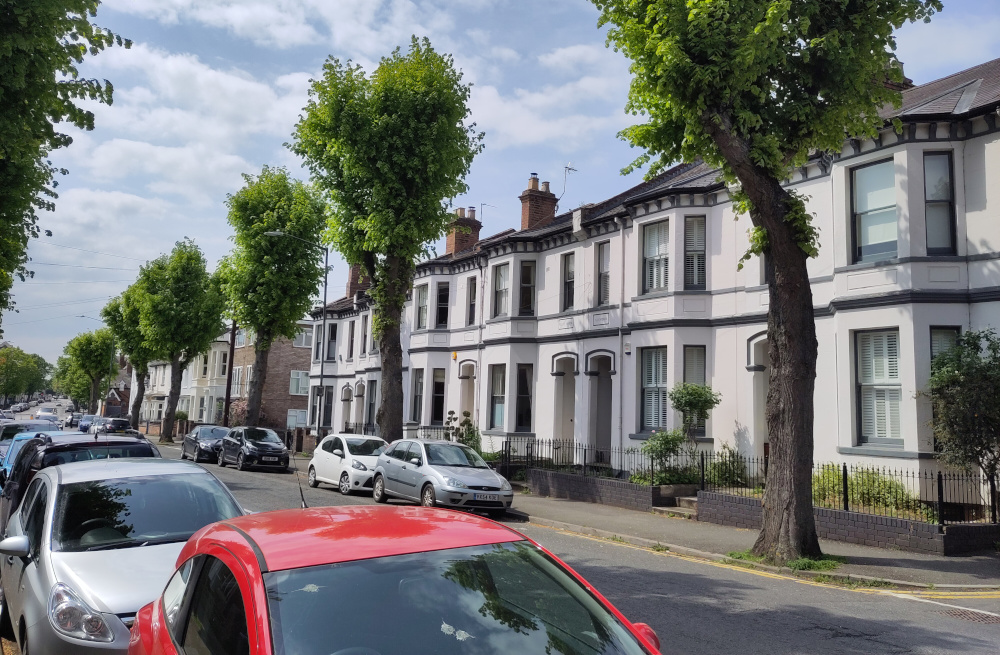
[{"x": 916, "y": 594}]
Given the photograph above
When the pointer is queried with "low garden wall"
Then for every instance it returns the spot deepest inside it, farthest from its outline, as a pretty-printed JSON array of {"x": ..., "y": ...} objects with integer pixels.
[
  {"x": 606, "y": 491},
  {"x": 857, "y": 528}
]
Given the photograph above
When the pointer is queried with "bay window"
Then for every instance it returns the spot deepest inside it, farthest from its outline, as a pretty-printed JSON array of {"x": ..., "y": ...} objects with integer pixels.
[
  {"x": 878, "y": 386},
  {"x": 874, "y": 208}
]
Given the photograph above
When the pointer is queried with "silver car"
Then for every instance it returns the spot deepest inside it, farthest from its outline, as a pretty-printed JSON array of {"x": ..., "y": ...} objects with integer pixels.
[
  {"x": 93, "y": 542},
  {"x": 441, "y": 473}
]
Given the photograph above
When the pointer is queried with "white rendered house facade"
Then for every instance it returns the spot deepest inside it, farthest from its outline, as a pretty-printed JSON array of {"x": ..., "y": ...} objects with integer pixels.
[{"x": 575, "y": 326}]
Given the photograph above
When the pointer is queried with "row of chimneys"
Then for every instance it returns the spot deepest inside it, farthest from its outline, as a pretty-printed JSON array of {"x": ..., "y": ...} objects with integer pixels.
[{"x": 538, "y": 209}]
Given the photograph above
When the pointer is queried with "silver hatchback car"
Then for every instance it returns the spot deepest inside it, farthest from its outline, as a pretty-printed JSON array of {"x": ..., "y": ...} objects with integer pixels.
[
  {"x": 93, "y": 542},
  {"x": 440, "y": 473}
]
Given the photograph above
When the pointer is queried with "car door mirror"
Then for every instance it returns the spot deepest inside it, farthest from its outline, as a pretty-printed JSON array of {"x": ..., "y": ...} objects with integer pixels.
[
  {"x": 645, "y": 632},
  {"x": 415, "y": 461},
  {"x": 15, "y": 546},
  {"x": 338, "y": 452},
  {"x": 3, "y": 477}
]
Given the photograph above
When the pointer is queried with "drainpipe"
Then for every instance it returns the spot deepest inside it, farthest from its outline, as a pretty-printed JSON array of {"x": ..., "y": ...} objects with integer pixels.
[
  {"x": 621, "y": 335},
  {"x": 481, "y": 262}
]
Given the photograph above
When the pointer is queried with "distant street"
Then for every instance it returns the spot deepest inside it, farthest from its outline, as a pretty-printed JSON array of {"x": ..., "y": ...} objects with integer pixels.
[{"x": 702, "y": 607}]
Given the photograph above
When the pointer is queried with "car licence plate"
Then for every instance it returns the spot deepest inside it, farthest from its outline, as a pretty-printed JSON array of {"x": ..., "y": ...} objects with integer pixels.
[
  {"x": 270, "y": 459},
  {"x": 486, "y": 496}
]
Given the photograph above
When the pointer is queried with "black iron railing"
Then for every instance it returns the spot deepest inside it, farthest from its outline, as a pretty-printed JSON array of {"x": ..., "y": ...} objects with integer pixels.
[
  {"x": 928, "y": 493},
  {"x": 367, "y": 429}
]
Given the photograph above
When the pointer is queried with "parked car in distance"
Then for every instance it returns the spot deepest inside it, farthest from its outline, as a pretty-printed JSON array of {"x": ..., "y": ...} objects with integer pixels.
[
  {"x": 443, "y": 473},
  {"x": 112, "y": 426},
  {"x": 85, "y": 422},
  {"x": 48, "y": 413},
  {"x": 72, "y": 420},
  {"x": 93, "y": 542},
  {"x": 97, "y": 424},
  {"x": 346, "y": 460},
  {"x": 203, "y": 442},
  {"x": 8, "y": 430},
  {"x": 248, "y": 447},
  {"x": 445, "y": 578},
  {"x": 54, "y": 448},
  {"x": 7, "y": 414}
]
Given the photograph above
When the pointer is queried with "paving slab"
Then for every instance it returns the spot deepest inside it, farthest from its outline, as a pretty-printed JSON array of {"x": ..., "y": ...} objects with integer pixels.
[{"x": 981, "y": 570}]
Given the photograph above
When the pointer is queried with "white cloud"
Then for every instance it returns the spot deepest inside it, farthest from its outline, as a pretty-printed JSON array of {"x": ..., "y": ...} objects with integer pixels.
[
  {"x": 957, "y": 42},
  {"x": 584, "y": 58}
]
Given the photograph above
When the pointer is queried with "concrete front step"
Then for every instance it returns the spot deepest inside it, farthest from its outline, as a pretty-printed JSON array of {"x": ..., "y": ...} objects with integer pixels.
[
  {"x": 688, "y": 502},
  {"x": 677, "y": 512}
]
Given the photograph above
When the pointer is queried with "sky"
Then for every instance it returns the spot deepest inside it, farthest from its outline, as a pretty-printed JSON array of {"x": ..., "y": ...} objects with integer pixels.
[{"x": 212, "y": 89}]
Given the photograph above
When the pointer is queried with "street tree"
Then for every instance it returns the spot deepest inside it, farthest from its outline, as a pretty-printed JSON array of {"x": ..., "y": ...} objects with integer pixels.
[
  {"x": 180, "y": 314},
  {"x": 92, "y": 353},
  {"x": 122, "y": 315},
  {"x": 964, "y": 387},
  {"x": 755, "y": 88},
  {"x": 389, "y": 149},
  {"x": 13, "y": 368},
  {"x": 269, "y": 281},
  {"x": 68, "y": 379},
  {"x": 41, "y": 44}
]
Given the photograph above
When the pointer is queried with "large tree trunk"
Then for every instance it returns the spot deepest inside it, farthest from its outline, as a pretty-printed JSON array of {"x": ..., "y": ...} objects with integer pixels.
[
  {"x": 789, "y": 529},
  {"x": 390, "y": 410},
  {"x": 256, "y": 389},
  {"x": 95, "y": 387},
  {"x": 167, "y": 427},
  {"x": 137, "y": 396}
]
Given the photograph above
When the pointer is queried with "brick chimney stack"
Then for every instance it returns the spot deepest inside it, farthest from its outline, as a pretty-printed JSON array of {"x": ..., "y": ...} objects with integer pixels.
[
  {"x": 357, "y": 281},
  {"x": 460, "y": 240},
  {"x": 538, "y": 206}
]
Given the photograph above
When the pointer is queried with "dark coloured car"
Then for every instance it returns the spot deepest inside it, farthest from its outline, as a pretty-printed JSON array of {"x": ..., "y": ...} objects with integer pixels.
[
  {"x": 115, "y": 426},
  {"x": 253, "y": 447},
  {"x": 203, "y": 442},
  {"x": 85, "y": 422},
  {"x": 63, "y": 448},
  {"x": 8, "y": 430}
]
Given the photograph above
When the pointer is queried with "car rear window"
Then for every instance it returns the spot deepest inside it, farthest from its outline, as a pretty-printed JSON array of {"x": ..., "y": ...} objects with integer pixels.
[
  {"x": 138, "y": 511},
  {"x": 96, "y": 450},
  {"x": 500, "y": 598}
]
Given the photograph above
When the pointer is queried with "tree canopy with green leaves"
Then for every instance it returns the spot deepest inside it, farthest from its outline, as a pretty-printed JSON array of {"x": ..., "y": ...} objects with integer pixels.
[
  {"x": 123, "y": 315},
  {"x": 180, "y": 315},
  {"x": 92, "y": 354},
  {"x": 70, "y": 380},
  {"x": 755, "y": 87},
  {"x": 389, "y": 150},
  {"x": 269, "y": 281},
  {"x": 964, "y": 387},
  {"x": 41, "y": 44},
  {"x": 21, "y": 373}
]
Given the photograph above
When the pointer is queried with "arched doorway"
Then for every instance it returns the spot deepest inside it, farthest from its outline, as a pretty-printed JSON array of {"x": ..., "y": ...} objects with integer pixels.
[
  {"x": 467, "y": 389},
  {"x": 599, "y": 371},
  {"x": 760, "y": 366},
  {"x": 564, "y": 428},
  {"x": 346, "y": 397}
]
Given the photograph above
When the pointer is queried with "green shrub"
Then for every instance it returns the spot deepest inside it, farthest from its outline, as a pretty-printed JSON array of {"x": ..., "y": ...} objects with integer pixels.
[
  {"x": 868, "y": 491},
  {"x": 825, "y": 563},
  {"x": 181, "y": 415},
  {"x": 728, "y": 467},
  {"x": 669, "y": 475}
]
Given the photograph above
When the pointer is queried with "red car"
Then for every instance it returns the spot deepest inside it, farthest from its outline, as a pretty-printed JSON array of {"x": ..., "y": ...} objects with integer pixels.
[{"x": 368, "y": 580}]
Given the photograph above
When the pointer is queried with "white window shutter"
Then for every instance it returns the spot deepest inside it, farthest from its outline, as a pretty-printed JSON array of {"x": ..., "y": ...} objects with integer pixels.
[
  {"x": 694, "y": 365},
  {"x": 694, "y": 233},
  {"x": 892, "y": 398},
  {"x": 866, "y": 356},
  {"x": 892, "y": 355}
]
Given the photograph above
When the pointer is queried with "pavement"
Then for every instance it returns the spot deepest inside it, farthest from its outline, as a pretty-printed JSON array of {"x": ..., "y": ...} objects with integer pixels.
[{"x": 686, "y": 536}]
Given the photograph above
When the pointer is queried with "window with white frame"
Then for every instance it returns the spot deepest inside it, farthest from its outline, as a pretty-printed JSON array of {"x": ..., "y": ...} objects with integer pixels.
[
  {"x": 317, "y": 341},
  {"x": 879, "y": 389},
  {"x": 416, "y": 411},
  {"x": 526, "y": 300},
  {"x": 656, "y": 256},
  {"x": 246, "y": 387},
  {"x": 694, "y": 373},
  {"x": 299, "y": 385},
  {"x": 331, "y": 344},
  {"x": 603, "y": 273},
  {"x": 943, "y": 339},
  {"x": 204, "y": 365},
  {"x": 223, "y": 363},
  {"x": 694, "y": 253},
  {"x": 241, "y": 338},
  {"x": 874, "y": 203},
  {"x": 501, "y": 289},
  {"x": 498, "y": 394},
  {"x": 296, "y": 418},
  {"x": 939, "y": 203},
  {"x": 471, "y": 318},
  {"x": 350, "y": 341},
  {"x": 237, "y": 381},
  {"x": 443, "y": 300},
  {"x": 303, "y": 339},
  {"x": 568, "y": 281},
  {"x": 421, "y": 307},
  {"x": 655, "y": 404},
  {"x": 364, "y": 335}
]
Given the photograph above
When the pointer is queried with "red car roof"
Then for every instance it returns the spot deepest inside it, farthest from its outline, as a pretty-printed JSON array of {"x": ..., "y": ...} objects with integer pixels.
[{"x": 296, "y": 538}]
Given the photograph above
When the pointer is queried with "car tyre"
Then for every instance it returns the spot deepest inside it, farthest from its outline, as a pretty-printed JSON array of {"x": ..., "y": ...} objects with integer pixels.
[
  {"x": 378, "y": 490},
  {"x": 222, "y": 459},
  {"x": 497, "y": 514},
  {"x": 345, "y": 484},
  {"x": 184, "y": 454},
  {"x": 427, "y": 497},
  {"x": 313, "y": 482},
  {"x": 240, "y": 464},
  {"x": 6, "y": 627}
]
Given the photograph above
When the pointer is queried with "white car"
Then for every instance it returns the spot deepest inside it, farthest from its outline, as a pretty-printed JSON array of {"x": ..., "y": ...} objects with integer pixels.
[{"x": 346, "y": 460}]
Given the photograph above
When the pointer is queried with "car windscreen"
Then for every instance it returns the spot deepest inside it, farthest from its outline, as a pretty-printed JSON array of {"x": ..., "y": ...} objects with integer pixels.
[
  {"x": 96, "y": 450},
  {"x": 212, "y": 434},
  {"x": 365, "y": 447},
  {"x": 453, "y": 455},
  {"x": 501, "y": 598},
  {"x": 261, "y": 435},
  {"x": 15, "y": 447},
  {"x": 139, "y": 511}
]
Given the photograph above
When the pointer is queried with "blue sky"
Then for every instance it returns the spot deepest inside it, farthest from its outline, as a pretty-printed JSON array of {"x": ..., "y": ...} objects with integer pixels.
[{"x": 212, "y": 89}]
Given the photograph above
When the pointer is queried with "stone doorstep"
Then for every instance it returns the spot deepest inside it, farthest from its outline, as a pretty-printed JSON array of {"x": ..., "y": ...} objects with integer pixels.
[
  {"x": 677, "y": 512},
  {"x": 716, "y": 557},
  {"x": 688, "y": 502}
]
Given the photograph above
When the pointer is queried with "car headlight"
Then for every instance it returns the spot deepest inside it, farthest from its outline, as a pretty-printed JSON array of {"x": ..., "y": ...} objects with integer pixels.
[
  {"x": 455, "y": 482},
  {"x": 74, "y": 618},
  {"x": 203, "y": 445},
  {"x": 355, "y": 464},
  {"x": 505, "y": 485},
  {"x": 251, "y": 449}
]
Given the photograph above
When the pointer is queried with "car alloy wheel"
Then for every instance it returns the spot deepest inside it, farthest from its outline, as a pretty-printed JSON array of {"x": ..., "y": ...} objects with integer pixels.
[
  {"x": 313, "y": 482},
  {"x": 240, "y": 466},
  {"x": 427, "y": 496},
  {"x": 378, "y": 490},
  {"x": 222, "y": 458},
  {"x": 345, "y": 484}
]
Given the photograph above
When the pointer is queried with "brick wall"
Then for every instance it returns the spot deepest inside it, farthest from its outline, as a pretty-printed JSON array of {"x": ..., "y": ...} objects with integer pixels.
[
  {"x": 282, "y": 360},
  {"x": 617, "y": 493},
  {"x": 852, "y": 527}
]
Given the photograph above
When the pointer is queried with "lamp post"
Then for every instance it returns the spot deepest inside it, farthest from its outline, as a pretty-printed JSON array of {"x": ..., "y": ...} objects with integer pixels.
[
  {"x": 324, "y": 340},
  {"x": 114, "y": 370}
]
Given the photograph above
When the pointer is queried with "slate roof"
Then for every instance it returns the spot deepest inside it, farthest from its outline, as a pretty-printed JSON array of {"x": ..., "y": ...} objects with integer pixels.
[{"x": 964, "y": 93}]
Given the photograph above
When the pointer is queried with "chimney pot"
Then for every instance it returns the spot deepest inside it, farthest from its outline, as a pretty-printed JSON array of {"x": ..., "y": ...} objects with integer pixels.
[
  {"x": 538, "y": 206},
  {"x": 533, "y": 182},
  {"x": 472, "y": 212},
  {"x": 460, "y": 212},
  {"x": 545, "y": 187}
]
